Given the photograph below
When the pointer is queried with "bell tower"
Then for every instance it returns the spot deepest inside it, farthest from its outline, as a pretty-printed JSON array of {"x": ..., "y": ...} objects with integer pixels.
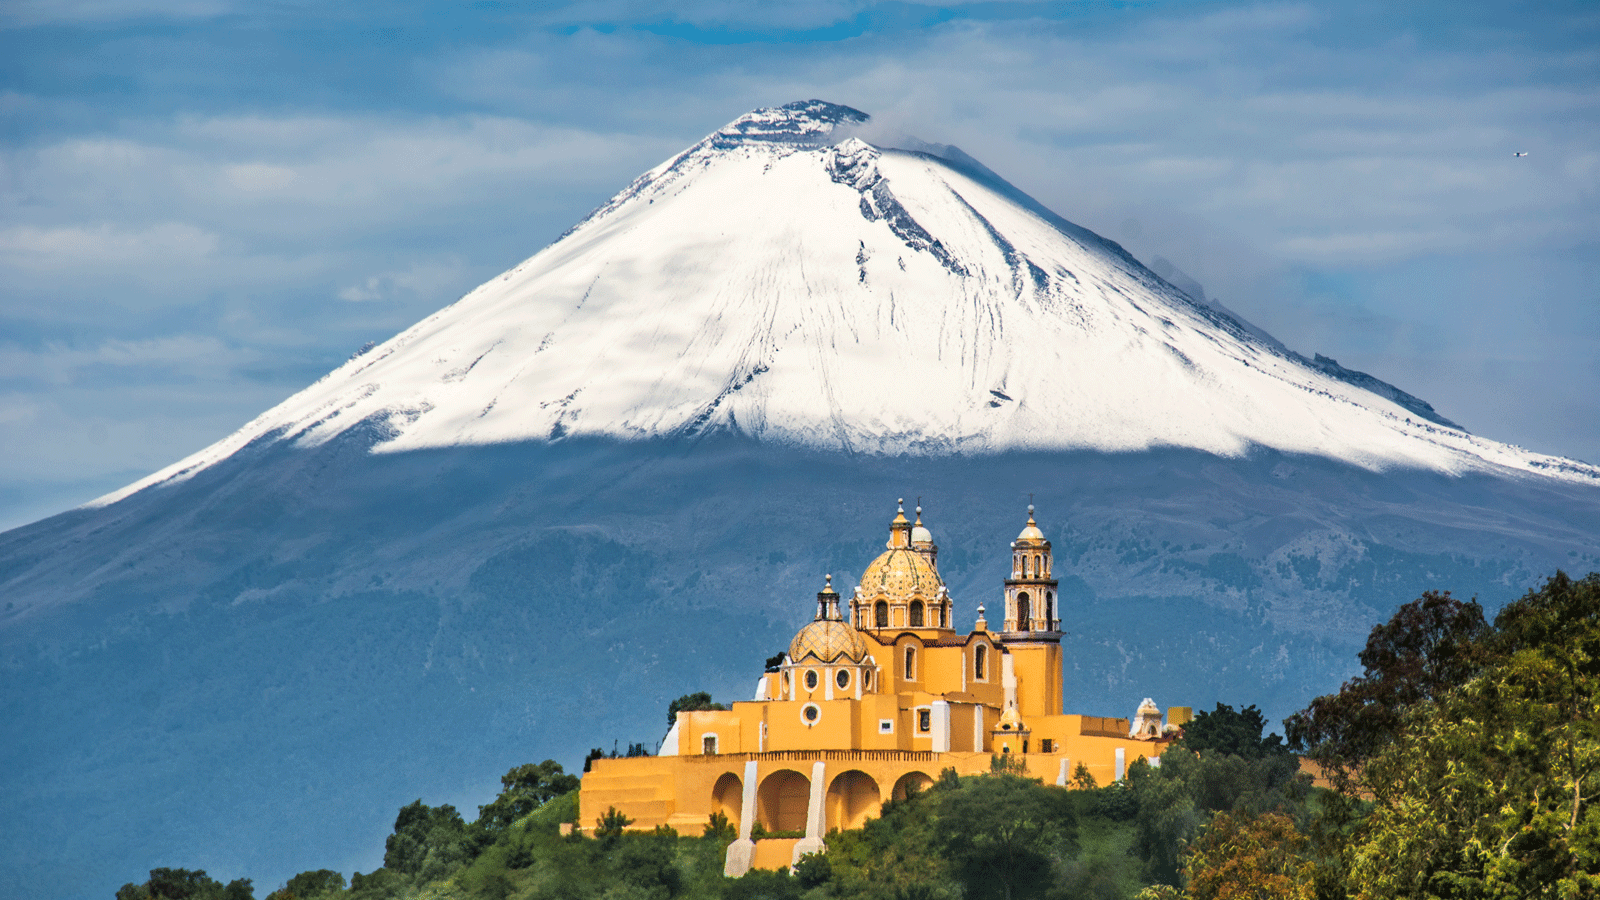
[{"x": 1031, "y": 629}]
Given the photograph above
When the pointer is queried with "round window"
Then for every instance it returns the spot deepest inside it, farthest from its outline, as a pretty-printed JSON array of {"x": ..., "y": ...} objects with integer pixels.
[
  {"x": 811, "y": 679},
  {"x": 842, "y": 679},
  {"x": 811, "y": 712}
]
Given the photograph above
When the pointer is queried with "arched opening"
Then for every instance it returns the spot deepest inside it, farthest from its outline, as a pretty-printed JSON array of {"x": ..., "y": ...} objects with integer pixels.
[
  {"x": 916, "y": 614},
  {"x": 1038, "y": 566},
  {"x": 911, "y": 664},
  {"x": 880, "y": 614},
  {"x": 852, "y": 799},
  {"x": 1024, "y": 613},
  {"x": 727, "y": 797},
  {"x": 781, "y": 802},
  {"x": 1050, "y": 607},
  {"x": 1024, "y": 567},
  {"x": 980, "y": 659},
  {"x": 911, "y": 783}
]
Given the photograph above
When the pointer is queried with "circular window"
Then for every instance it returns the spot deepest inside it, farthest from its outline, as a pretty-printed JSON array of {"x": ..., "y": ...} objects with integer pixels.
[
  {"x": 1006, "y": 727},
  {"x": 810, "y": 713},
  {"x": 842, "y": 679},
  {"x": 811, "y": 679}
]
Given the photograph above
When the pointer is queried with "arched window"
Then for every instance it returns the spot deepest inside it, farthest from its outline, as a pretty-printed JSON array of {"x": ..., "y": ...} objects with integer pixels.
[
  {"x": 1038, "y": 566},
  {"x": 938, "y": 617},
  {"x": 1024, "y": 567},
  {"x": 1024, "y": 614},
  {"x": 980, "y": 657},
  {"x": 1050, "y": 606},
  {"x": 916, "y": 614},
  {"x": 881, "y": 614},
  {"x": 911, "y": 663}
]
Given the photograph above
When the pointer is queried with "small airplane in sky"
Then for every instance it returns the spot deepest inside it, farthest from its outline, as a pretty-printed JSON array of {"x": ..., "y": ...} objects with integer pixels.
[{"x": 1520, "y": 153}]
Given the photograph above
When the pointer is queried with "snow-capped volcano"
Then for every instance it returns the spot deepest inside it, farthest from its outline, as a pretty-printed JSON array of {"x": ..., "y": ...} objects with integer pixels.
[{"x": 787, "y": 280}]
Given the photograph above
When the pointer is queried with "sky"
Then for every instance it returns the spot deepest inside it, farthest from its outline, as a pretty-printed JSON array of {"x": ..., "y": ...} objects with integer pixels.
[{"x": 206, "y": 205}]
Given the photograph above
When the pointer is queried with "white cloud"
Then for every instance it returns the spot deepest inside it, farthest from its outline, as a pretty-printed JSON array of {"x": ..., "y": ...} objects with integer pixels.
[{"x": 105, "y": 246}]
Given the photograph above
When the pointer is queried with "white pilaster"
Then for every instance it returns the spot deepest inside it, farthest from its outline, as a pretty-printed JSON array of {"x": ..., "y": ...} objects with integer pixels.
[
  {"x": 816, "y": 814},
  {"x": 941, "y": 726},
  {"x": 742, "y": 852},
  {"x": 977, "y": 728},
  {"x": 1061, "y": 778},
  {"x": 1122, "y": 762}
]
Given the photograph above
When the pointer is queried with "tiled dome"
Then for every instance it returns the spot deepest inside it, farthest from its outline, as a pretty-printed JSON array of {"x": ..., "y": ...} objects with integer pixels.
[
  {"x": 829, "y": 641},
  {"x": 900, "y": 574}
]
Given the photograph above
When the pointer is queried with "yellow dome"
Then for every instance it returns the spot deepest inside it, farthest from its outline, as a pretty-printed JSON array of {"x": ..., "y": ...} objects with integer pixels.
[
  {"x": 900, "y": 574},
  {"x": 1010, "y": 721},
  {"x": 829, "y": 640}
]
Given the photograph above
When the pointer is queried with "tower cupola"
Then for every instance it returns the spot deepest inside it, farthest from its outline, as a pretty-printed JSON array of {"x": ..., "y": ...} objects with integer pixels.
[{"x": 1031, "y": 590}]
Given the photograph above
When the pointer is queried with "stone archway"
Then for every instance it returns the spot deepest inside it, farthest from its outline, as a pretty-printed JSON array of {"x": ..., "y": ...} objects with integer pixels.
[
  {"x": 727, "y": 797},
  {"x": 909, "y": 783},
  {"x": 853, "y": 798},
  {"x": 782, "y": 800}
]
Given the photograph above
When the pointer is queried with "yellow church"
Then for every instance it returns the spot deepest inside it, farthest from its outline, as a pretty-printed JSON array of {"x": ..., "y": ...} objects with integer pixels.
[{"x": 877, "y": 695}]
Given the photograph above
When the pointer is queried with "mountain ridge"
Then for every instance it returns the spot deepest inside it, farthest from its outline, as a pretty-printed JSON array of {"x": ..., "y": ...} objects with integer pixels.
[{"x": 725, "y": 267}]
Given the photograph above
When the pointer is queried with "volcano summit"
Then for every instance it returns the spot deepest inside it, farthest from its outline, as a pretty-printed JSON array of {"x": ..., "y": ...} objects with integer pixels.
[{"x": 604, "y": 478}]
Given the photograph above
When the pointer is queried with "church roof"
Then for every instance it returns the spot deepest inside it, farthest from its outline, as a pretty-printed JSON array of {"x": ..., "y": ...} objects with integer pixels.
[
  {"x": 828, "y": 638},
  {"x": 901, "y": 573}
]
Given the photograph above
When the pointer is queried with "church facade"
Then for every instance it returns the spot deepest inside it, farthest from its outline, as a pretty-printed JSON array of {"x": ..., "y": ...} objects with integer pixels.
[{"x": 874, "y": 698}]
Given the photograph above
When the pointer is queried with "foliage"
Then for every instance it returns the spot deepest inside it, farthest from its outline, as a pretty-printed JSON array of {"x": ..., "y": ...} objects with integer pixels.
[
  {"x": 1428, "y": 647},
  {"x": 813, "y": 870},
  {"x": 310, "y": 886},
  {"x": 1232, "y": 732},
  {"x": 1082, "y": 778},
  {"x": 186, "y": 884},
  {"x": 1249, "y": 857},
  {"x": 428, "y": 842},
  {"x": 1176, "y": 800},
  {"x": 525, "y": 789},
  {"x": 1488, "y": 788},
  {"x": 718, "y": 826},
  {"x": 611, "y": 825},
  {"x": 689, "y": 703}
]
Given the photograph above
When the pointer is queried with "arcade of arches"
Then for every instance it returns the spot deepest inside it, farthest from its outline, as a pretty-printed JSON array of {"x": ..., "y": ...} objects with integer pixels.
[{"x": 875, "y": 696}]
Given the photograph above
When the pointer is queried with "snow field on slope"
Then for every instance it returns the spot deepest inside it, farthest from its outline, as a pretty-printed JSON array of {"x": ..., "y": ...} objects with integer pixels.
[{"x": 745, "y": 287}]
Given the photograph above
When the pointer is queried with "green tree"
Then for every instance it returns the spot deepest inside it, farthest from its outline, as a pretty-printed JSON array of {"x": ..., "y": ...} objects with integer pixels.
[
  {"x": 310, "y": 886},
  {"x": 689, "y": 703},
  {"x": 1488, "y": 788},
  {"x": 1428, "y": 647},
  {"x": 1001, "y": 834},
  {"x": 523, "y": 790},
  {"x": 1232, "y": 732},
  {"x": 428, "y": 843},
  {"x": 186, "y": 884}
]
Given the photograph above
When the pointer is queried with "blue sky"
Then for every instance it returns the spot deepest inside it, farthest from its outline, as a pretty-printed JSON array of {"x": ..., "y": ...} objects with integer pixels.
[{"x": 206, "y": 205}]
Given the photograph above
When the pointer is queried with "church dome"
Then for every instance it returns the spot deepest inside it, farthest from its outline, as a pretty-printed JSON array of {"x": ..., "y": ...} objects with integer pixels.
[
  {"x": 828, "y": 638},
  {"x": 900, "y": 574}
]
